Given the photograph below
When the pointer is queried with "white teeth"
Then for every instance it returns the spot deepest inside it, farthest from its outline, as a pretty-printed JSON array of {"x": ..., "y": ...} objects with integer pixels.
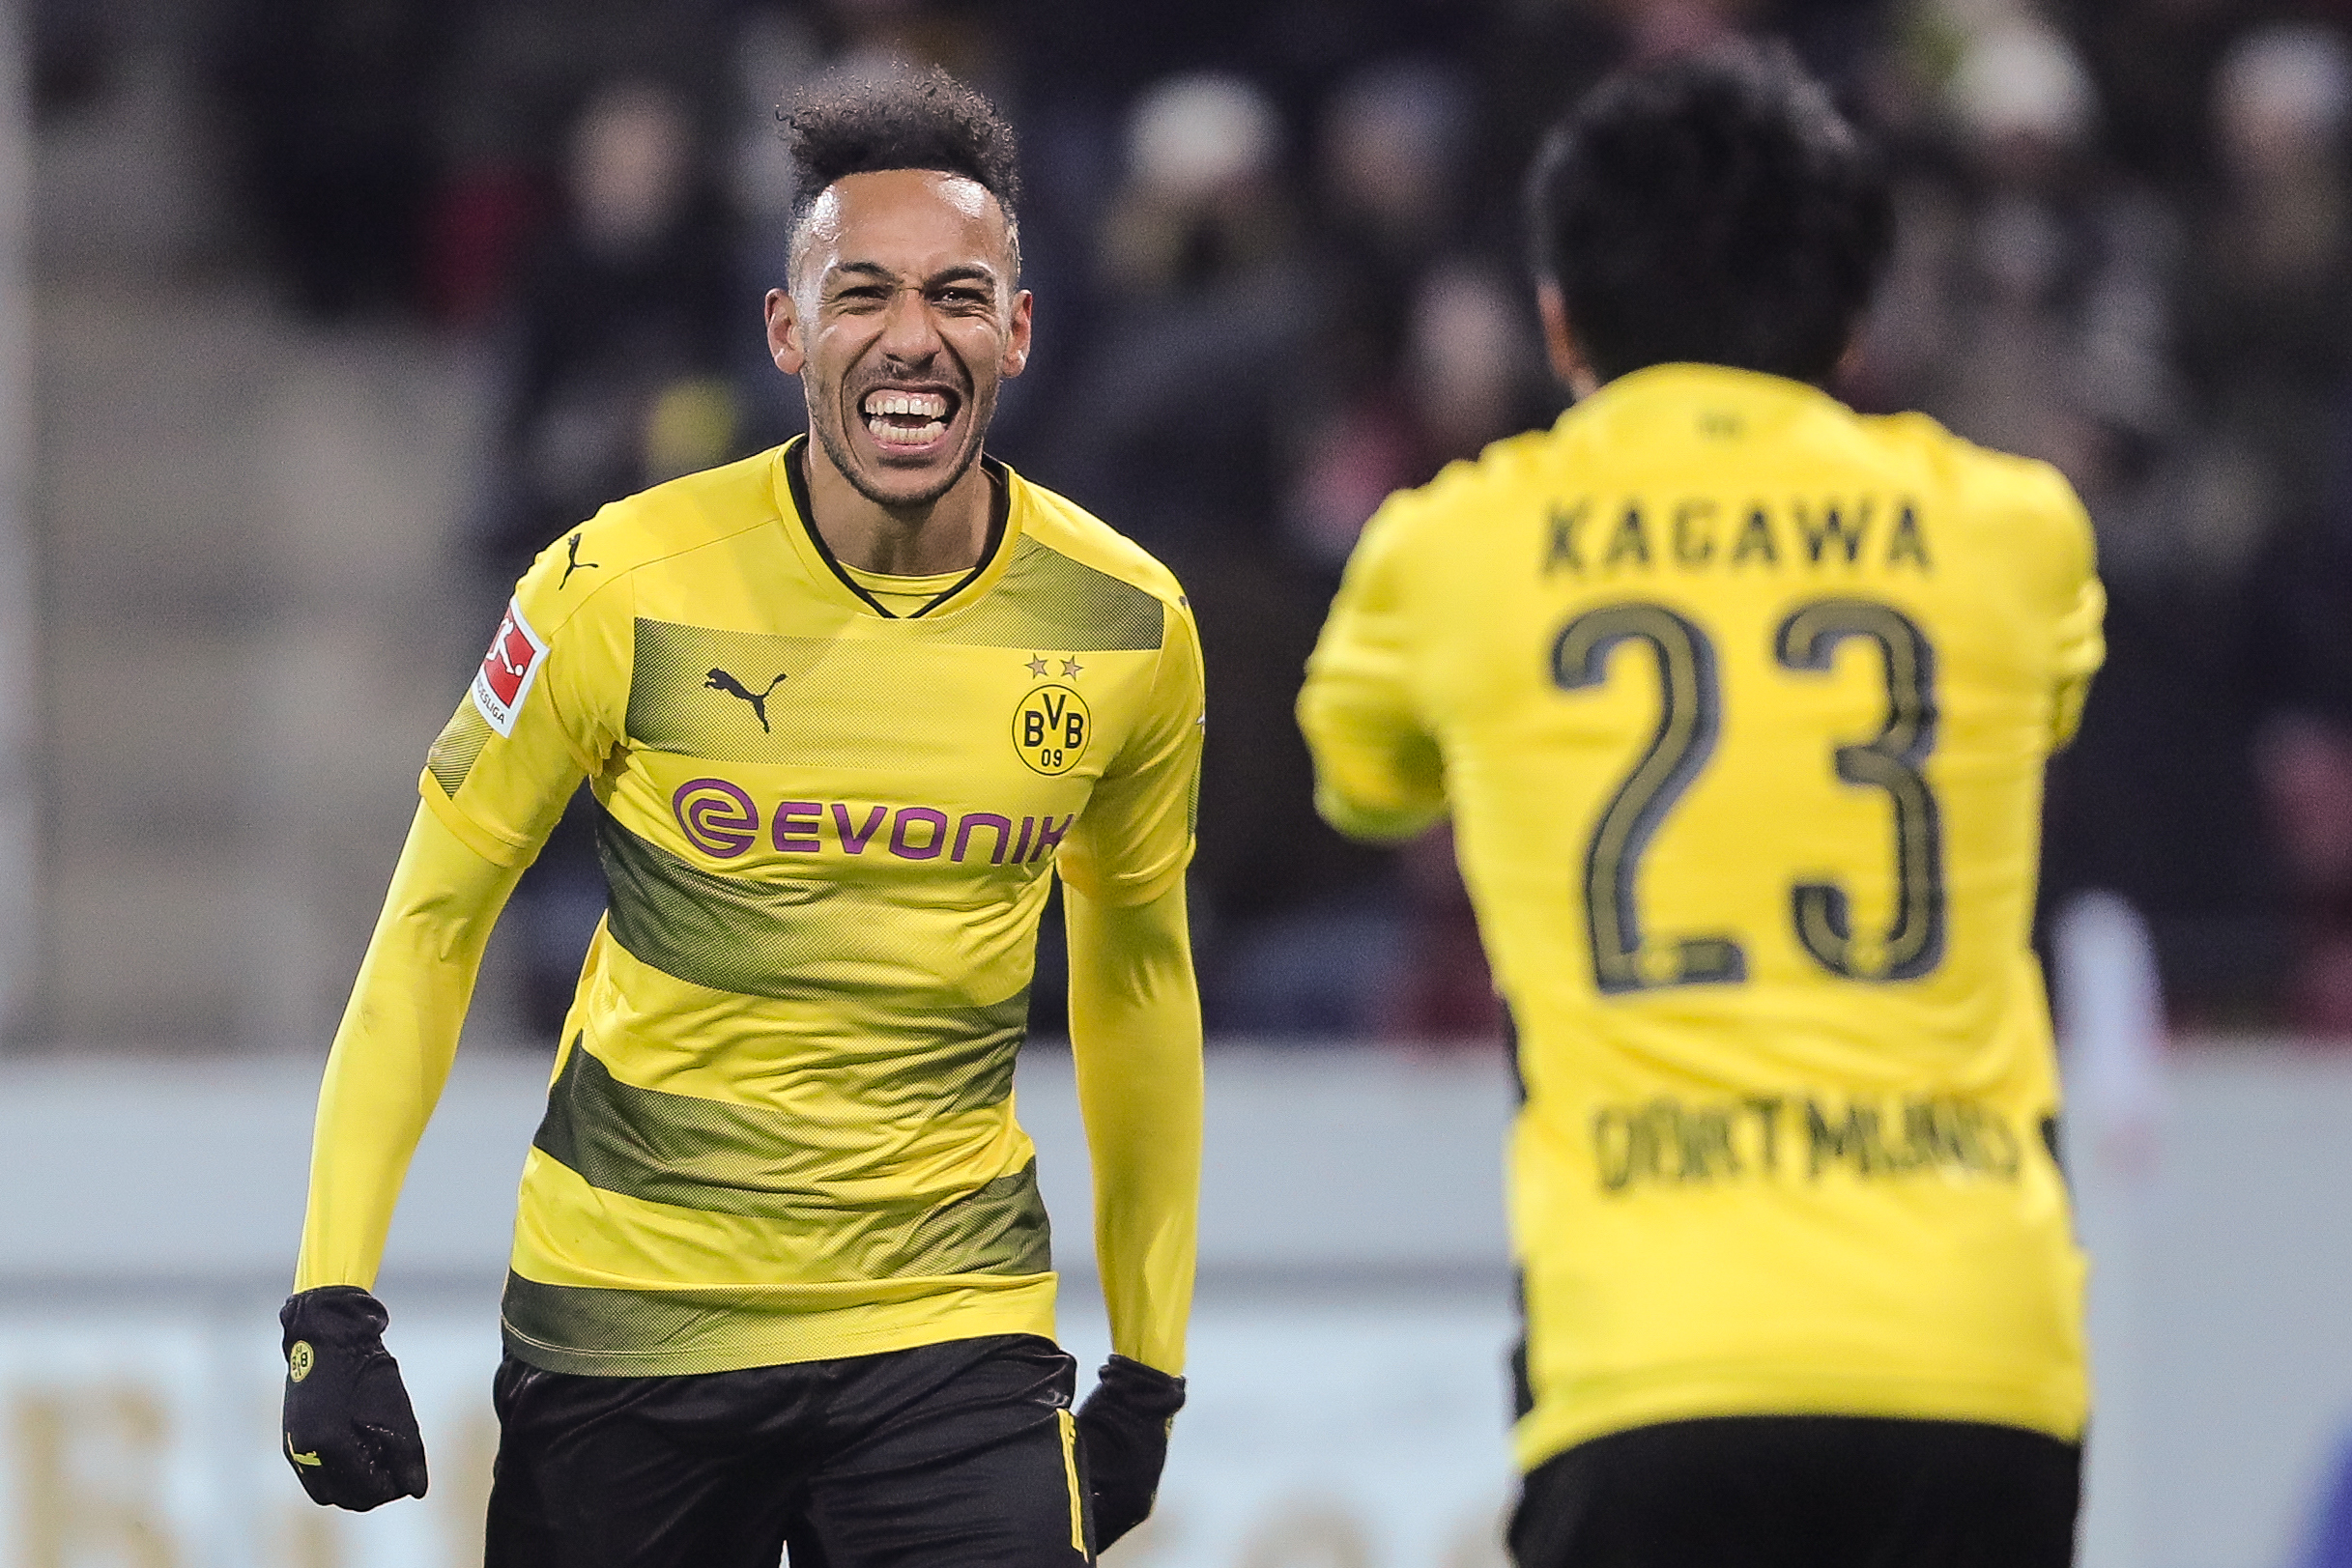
[{"x": 916, "y": 405}]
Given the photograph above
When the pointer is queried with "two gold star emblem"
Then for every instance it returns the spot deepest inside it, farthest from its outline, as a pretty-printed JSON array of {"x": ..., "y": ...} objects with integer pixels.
[{"x": 1038, "y": 664}]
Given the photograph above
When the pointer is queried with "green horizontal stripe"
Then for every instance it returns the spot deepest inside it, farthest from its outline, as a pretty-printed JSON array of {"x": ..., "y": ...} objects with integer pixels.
[
  {"x": 787, "y": 940},
  {"x": 458, "y": 748},
  {"x": 646, "y": 1334},
  {"x": 688, "y": 1151},
  {"x": 691, "y": 1152}
]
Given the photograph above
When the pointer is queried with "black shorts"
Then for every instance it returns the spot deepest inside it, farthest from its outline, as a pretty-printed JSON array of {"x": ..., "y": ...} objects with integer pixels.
[
  {"x": 947, "y": 1455},
  {"x": 1803, "y": 1491}
]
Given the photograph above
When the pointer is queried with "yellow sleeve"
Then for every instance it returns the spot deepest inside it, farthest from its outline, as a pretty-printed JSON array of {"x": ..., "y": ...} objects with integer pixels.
[
  {"x": 1134, "y": 837},
  {"x": 545, "y": 709},
  {"x": 1378, "y": 774},
  {"x": 392, "y": 1053},
  {"x": 1134, "y": 1029},
  {"x": 2082, "y": 641}
]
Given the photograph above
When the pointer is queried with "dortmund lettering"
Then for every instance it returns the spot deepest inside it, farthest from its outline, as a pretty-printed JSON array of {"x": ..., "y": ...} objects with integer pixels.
[
  {"x": 1852, "y": 1140},
  {"x": 1672, "y": 1143}
]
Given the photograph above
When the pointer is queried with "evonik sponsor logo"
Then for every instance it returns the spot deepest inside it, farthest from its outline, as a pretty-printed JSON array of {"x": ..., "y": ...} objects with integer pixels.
[{"x": 720, "y": 819}]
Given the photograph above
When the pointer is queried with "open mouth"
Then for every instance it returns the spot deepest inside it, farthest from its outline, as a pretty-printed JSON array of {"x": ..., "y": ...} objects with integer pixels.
[{"x": 906, "y": 421}]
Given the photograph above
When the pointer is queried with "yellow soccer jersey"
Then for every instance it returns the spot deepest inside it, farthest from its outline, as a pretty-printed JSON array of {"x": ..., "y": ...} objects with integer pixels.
[
  {"x": 781, "y": 1125},
  {"x": 1740, "y": 703}
]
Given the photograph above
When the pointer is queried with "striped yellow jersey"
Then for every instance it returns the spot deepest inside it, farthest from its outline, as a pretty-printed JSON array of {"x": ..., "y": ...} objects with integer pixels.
[
  {"x": 828, "y": 803},
  {"x": 1740, "y": 702}
]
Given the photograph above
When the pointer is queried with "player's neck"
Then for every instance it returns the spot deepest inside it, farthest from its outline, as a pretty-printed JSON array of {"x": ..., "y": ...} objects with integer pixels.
[{"x": 945, "y": 535}]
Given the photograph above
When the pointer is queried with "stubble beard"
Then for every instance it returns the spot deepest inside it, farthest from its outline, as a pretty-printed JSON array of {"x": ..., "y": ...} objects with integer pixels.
[{"x": 835, "y": 440}]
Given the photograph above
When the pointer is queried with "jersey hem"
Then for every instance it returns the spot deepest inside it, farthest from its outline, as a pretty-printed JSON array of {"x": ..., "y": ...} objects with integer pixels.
[
  {"x": 874, "y": 1329},
  {"x": 2045, "y": 1405}
]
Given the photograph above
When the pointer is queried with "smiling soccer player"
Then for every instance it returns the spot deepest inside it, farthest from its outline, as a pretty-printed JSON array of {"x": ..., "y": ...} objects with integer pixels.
[{"x": 781, "y": 1268}]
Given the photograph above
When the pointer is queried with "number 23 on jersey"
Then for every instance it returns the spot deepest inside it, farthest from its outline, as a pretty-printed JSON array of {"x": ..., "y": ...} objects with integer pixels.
[{"x": 1690, "y": 718}]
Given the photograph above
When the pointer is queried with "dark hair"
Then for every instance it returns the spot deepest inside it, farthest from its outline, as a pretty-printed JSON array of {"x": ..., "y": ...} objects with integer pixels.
[
  {"x": 841, "y": 124},
  {"x": 1715, "y": 208}
]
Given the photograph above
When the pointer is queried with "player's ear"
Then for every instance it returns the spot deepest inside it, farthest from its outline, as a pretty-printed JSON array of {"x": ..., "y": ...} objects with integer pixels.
[
  {"x": 1568, "y": 361},
  {"x": 785, "y": 342},
  {"x": 1017, "y": 340},
  {"x": 1850, "y": 360}
]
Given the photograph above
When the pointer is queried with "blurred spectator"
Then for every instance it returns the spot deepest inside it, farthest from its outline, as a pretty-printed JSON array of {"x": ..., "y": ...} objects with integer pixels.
[
  {"x": 1390, "y": 154},
  {"x": 775, "y": 49},
  {"x": 1277, "y": 253},
  {"x": 2153, "y": 60},
  {"x": 2272, "y": 349},
  {"x": 1465, "y": 376},
  {"x": 331, "y": 100},
  {"x": 1657, "y": 28},
  {"x": 2050, "y": 328},
  {"x": 1418, "y": 359},
  {"x": 1175, "y": 425},
  {"x": 615, "y": 361},
  {"x": 620, "y": 331},
  {"x": 517, "y": 72},
  {"x": 874, "y": 36},
  {"x": 1171, "y": 423},
  {"x": 1443, "y": 993},
  {"x": 2268, "y": 314},
  {"x": 2306, "y": 769}
]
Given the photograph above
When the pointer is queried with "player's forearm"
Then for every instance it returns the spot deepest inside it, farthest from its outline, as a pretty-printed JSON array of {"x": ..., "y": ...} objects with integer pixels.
[
  {"x": 1135, "y": 1028},
  {"x": 392, "y": 1053},
  {"x": 1375, "y": 777}
]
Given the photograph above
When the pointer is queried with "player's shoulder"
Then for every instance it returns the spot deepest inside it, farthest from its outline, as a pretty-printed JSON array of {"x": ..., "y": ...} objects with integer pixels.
[
  {"x": 684, "y": 514},
  {"x": 1447, "y": 512},
  {"x": 1055, "y": 523},
  {"x": 1979, "y": 478},
  {"x": 651, "y": 527}
]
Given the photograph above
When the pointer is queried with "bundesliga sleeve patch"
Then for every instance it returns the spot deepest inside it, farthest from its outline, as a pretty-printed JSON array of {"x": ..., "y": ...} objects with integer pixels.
[{"x": 507, "y": 670}]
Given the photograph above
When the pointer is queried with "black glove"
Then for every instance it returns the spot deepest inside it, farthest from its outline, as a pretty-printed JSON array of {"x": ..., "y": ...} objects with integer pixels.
[
  {"x": 1123, "y": 1430},
  {"x": 349, "y": 1432}
]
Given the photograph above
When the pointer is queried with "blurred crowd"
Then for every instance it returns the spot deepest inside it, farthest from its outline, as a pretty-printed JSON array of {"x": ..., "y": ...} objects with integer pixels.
[{"x": 1280, "y": 270}]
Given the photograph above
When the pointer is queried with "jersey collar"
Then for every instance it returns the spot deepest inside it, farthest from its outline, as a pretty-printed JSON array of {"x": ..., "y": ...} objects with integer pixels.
[
  {"x": 825, "y": 570},
  {"x": 1666, "y": 391}
]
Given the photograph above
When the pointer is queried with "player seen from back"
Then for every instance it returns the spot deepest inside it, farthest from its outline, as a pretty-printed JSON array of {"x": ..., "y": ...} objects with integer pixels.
[
  {"x": 1740, "y": 702},
  {"x": 780, "y": 1270}
]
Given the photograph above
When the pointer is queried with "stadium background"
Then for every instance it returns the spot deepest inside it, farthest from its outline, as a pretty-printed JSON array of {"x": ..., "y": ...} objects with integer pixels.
[{"x": 317, "y": 316}]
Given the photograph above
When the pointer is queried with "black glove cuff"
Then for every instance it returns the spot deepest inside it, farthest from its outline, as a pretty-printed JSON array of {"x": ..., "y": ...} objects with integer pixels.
[
  {"x": 1144, "y": 1390},
  {"x": 341, "y": 1317}
]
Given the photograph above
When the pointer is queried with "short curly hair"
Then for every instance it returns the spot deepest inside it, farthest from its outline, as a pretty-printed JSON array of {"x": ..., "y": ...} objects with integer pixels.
[
  {"x": 1716, "y": 208},
  {"x": 845, "y": 123}
]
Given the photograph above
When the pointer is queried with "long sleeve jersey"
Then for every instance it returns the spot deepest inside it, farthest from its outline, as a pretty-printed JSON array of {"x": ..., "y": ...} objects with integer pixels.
[
  {"x": 829, "y": 807},
  {"x": 1739, "y": 704}
]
